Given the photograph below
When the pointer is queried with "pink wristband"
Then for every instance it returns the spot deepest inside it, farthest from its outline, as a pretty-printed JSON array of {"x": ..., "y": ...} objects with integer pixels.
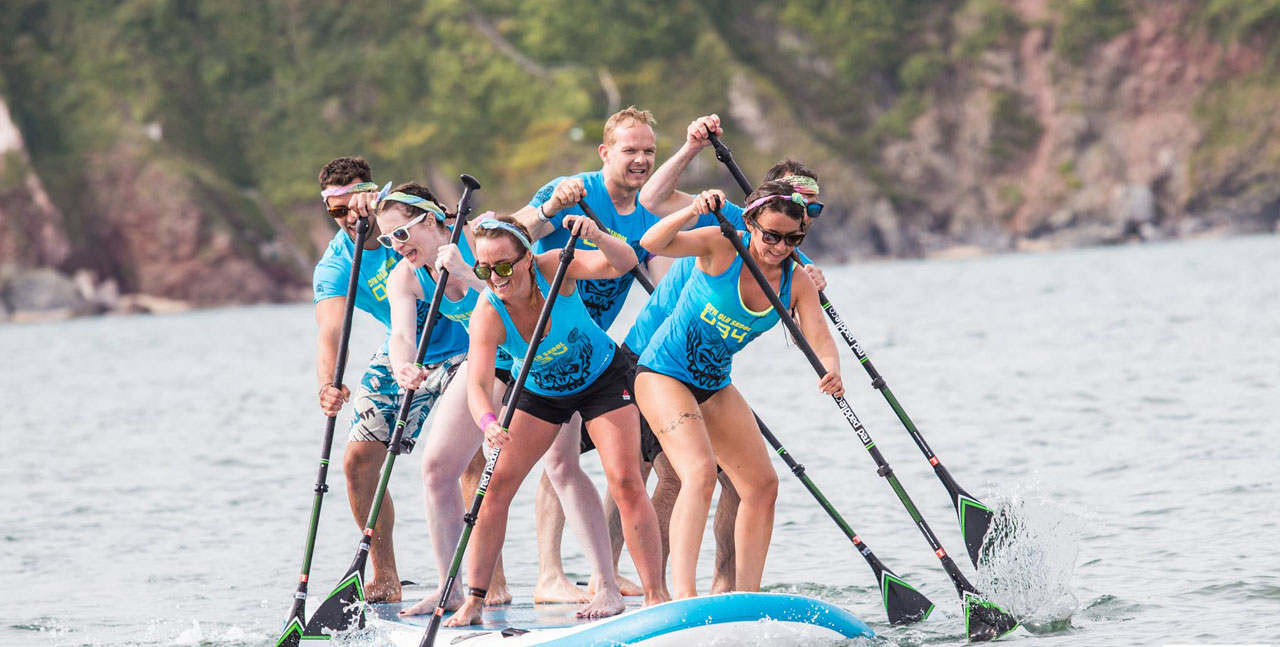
[{"x": 486, "y": 419}]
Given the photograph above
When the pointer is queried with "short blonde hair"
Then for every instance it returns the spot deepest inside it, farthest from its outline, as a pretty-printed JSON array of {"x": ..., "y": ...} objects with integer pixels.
[{"x": 625, "y": 117}]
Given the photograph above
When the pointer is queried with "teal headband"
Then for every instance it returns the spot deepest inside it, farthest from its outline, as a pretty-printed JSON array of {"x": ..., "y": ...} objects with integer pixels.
[
  {"x": 415, "y": 201},
  {"x": 494, "y": 223}
]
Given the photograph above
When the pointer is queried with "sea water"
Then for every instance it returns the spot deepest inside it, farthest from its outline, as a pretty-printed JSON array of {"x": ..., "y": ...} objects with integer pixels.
[{"x": 1118, "y": 407}]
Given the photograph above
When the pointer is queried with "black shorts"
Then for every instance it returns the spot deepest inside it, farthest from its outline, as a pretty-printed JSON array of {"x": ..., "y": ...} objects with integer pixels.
[
  {"x": 610, "y": 391},
  {"x": 699, "y": 394},
  {"x": 504, "y": 375},
  {"x": 649, "y": 447}
]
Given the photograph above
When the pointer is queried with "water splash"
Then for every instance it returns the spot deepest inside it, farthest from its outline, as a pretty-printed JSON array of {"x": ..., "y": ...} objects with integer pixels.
[{"x": 1028, "y": 557}]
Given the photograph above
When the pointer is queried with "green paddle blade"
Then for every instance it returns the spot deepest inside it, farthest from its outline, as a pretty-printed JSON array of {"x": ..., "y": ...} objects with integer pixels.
[
  {"x": 341, "y": 611},
  {"x": 902, "y": 602},
  {"x": 292, "y": 634},
  {"x": 975, "y": 520},
  {"x": 983, "y": 620}
]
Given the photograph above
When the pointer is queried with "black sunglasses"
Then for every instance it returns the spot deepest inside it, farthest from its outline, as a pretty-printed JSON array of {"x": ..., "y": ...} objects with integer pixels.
[{"x": 771, "y": 237}]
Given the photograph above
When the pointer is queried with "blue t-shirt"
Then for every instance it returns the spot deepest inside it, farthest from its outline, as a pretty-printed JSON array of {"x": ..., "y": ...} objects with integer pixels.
[
  {"x": 604, "y": 297},
  {"x": 334, "y": 271}
]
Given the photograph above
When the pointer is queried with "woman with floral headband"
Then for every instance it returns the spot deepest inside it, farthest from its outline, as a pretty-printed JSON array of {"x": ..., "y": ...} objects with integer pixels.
[
  {"x": 417, "y": 228},
  {"x": 577, "y": 369},
  {"x": 682, "y": 383}
]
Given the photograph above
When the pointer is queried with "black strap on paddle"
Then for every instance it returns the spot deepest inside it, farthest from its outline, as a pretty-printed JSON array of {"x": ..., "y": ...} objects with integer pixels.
[
  {"x": 344, "y": 608},
  {"x": 508, "y": 412},
  {"x": 902, "y": 602},
  {"x": 291, "y": 636},
  {"x": 974, "y": 516},
  {"x": 983, "y": 619}
]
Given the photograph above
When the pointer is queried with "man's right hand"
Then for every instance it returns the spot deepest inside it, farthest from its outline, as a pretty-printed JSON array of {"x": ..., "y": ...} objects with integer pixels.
[
  {"x": 364, "y": 204},
  {"x": 331, "y": 399},
  {"x": 567, "y": 193},
  {"x": 696, "y": 136}
]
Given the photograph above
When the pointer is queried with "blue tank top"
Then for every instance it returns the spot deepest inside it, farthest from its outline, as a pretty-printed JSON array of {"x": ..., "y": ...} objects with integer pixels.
[
  {"x": 460, "y": 310},
  {"x": 709, "y": 324},
  {"x": 574, "y": 350}
]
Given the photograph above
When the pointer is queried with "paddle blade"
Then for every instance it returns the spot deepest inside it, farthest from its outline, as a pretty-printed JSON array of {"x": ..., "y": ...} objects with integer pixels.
[
  {"x": 292, "y": 634},
  {"x": 975, "y": 520},
  {"x": 341, "y": 611},
  {"x": 902, "y": 602},
  {"x": 983, "y": 620}
]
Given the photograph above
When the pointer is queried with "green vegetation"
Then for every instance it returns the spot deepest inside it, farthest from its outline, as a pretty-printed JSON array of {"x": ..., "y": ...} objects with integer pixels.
[
  {"x": 1014, "y": 130},
  {"x": 984, "y": 24},
  {"x": 1085, "y": 24}
]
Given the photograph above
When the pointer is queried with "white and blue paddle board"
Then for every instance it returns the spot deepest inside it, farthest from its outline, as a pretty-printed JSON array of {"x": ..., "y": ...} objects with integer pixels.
[{"x": 746, "y": 617}]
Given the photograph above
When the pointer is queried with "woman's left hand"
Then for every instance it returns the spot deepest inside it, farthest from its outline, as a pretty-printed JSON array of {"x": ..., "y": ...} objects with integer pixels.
[
  {"x": 819, "y": 281},
  {"x": 831, "y": 384}
]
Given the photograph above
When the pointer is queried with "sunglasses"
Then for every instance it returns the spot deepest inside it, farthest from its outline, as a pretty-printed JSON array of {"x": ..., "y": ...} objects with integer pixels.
[
  {"x": 813, "y": 209},
  {"x": 771, "y": 237},
  {"x": 399, "y": 234},
  {"x": 503, "y": 269},
  {"x": 339, "y": 211}
]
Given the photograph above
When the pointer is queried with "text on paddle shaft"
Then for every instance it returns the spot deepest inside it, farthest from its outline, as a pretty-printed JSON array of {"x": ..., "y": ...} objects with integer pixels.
[{"x": 728, "y": 326}]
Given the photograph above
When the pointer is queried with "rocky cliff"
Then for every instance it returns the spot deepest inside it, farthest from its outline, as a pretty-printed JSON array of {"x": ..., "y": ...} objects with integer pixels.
[{"x": 169, "y": 149}]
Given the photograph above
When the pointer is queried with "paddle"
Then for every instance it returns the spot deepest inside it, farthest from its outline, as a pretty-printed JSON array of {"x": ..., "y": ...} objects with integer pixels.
[
  {"x": 508, "y": 412},
  {"x": 640, "y": 276},
  {"x": 344, "y": 608},
  {"x": 293, "y": 625},
  {"x": 902, "y": 602},
  {"x": 983, "y": 619},
  {"x": 974, "y": 516}
]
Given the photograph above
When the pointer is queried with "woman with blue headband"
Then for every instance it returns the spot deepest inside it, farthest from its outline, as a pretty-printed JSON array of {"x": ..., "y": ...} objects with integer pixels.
[
  {"x": 682, "y": 383},
  {"x": 577, "y": 369}
]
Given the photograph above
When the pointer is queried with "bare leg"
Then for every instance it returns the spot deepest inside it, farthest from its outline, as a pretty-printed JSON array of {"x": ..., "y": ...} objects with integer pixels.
[
  {"x": 614, "y": 519},
  {"x": 726, "y": 513},
  {"x": 362, "y": 466},
  {"x": 664, "y": 499},
  {"x": 741, "y": 451},
  {"x": 585, "y": 515},
  {"x": 677, "y": 420},
  {"x": 618, "y": 443},
  {"x": 449, "y": 451},
  {"x": 530, "y": 438},
  {"x": 499, "y": 593},
  {"x": 553, "y": 585}
]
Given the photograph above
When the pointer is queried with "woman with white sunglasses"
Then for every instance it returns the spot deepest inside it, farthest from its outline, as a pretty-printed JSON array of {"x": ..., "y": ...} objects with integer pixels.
[{"x": 418, "y": 228}]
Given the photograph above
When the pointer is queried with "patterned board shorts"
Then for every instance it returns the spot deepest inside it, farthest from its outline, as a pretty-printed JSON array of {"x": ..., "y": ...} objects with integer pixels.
[{"x": 377, "y": 401}]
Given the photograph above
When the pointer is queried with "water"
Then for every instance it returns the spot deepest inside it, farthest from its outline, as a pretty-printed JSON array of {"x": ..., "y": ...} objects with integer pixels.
[{"x": 159, "y": 469}]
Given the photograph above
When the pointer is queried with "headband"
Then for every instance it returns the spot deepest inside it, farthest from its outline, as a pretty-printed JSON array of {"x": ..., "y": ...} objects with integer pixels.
[
  {"x": 354, "y": 187},
  {"x": 494, "y": 223},
  {"x": 802, "y": 183},
  {"x": 415, "y": 201},
  {"x": 794, "y": 197}
]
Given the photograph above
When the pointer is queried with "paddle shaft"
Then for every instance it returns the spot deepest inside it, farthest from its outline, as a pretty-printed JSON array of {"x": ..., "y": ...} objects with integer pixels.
[
  {"x": 957, "y": 578},
  {"x": 397, "y": 436},
  {"x": 972, "y": 528},
  {"x": 508, "y": 412},
  {"x": 297, "y": 615}
]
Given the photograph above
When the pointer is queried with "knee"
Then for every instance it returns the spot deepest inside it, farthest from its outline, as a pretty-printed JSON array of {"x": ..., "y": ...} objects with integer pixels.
[
  {"x": 436, "y": 475},
  {"x": 628, "y": 489},
  {"x": 699, "y": 479},
  {"x": 362, "y": 456},
  {"x": 762, "y": 489},
  {"x": 562, "y": 470}
]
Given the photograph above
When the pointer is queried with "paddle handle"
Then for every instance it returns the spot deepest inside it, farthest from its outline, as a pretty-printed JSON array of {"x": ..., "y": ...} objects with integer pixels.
[
  {"x": 726, "y": 157},
  {"x": 636, "y": 272}
]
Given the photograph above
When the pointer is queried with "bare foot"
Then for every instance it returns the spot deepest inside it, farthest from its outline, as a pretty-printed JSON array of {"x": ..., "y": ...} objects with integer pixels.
[
  {"x": 429, "y": 603},
  {"x": 470, "y": 613},
  {"x": 558, "y": 590},
  {"x": 627, "y": 587},
  {"x": 498, "y": 595},
  {"x": 720, "y": 584},
  {"x": 656, "y": 597},
  {"x": 603, "y": 605},
  {"x": 382, "y": 590}
]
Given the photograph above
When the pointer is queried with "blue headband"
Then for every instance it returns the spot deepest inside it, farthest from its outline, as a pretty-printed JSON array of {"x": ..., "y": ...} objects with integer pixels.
[
  {"x": 415, "y": 201},
  {"x": 494, "y": 223}
]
